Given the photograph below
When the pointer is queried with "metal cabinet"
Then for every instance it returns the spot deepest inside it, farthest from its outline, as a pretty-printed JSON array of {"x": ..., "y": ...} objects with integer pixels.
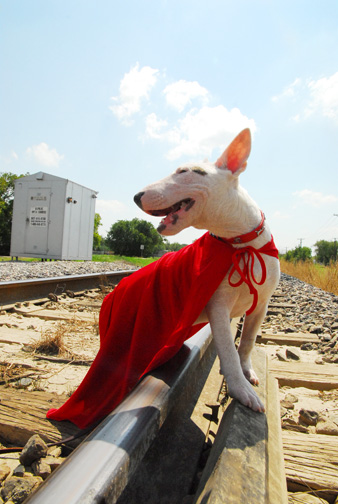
[{"x": 53, "y": 218}]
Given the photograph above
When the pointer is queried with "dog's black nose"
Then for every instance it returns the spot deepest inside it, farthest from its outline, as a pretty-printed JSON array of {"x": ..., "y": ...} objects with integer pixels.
[{"x": 137, "y": 199}]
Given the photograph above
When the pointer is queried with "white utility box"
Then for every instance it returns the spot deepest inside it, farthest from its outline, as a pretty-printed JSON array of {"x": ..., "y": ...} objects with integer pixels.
[{"x": 53, "y": 218}]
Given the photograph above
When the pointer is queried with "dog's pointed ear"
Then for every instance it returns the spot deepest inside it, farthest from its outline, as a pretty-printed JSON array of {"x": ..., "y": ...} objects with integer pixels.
[{"x": 235, "y": 155}]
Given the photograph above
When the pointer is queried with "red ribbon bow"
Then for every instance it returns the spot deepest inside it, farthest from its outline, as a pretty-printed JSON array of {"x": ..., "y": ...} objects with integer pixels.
[{"x": 246, "y": 273}]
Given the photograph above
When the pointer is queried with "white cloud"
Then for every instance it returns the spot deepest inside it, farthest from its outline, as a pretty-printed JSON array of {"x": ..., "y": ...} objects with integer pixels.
[
  {"x": 313, "y": 97},
  {"x": 314, "y": 198},
  {"x": 324, "y": 96},
  {"x": 181, "y": 93},
  {"x": 199, "y": 130},
  {"x": 296, "y": 118},
  {"x": 203, "y": 130},
  {"x": 290, "y": 91},
  {"x": 44, "y": 155},
  {"x": 134, "y": 87},
  {"x": 154, "y": 126},
  {"x": 10, "y": 158}
]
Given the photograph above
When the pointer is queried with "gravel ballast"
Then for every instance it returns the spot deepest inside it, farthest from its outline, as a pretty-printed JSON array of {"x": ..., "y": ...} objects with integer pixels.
[
  {"x": 14, "y": 271},
  {"x": 311, "y": 305}
]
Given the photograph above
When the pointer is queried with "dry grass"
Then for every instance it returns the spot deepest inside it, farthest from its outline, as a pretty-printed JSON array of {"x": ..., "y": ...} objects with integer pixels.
[
  {"x": 50, "y": 344},
  {"x": 324, "y": 277},
  {"x": 67, "y": 339},
  {"x": 10, "y": 371}
]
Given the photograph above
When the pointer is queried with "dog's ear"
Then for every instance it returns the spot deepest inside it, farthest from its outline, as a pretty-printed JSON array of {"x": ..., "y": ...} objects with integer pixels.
[{"x": 235, "y": 155}]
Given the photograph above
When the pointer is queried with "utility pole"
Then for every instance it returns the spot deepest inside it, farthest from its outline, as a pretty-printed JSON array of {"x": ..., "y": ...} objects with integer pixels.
[{"x": 301, "y": 241}]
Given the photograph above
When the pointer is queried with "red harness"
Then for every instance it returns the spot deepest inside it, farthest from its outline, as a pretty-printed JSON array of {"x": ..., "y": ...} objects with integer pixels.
[
  {"x": 246, "y": 273},
  {"x": 247, "y": 254}
]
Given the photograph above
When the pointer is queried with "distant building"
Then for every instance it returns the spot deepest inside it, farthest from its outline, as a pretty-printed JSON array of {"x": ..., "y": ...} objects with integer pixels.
[
  {"x": 161, "y": 253},
  {"x": 53, "y": 218}
]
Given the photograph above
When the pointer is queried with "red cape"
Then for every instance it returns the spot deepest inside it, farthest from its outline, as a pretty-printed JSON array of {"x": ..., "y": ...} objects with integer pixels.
[{"x": 144, "y": 321}]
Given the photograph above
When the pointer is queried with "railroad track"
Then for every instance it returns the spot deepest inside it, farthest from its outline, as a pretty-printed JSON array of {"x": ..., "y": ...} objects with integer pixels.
[
  {"x": 176, "y": 436},
  {"x": 27, "y": 290}
]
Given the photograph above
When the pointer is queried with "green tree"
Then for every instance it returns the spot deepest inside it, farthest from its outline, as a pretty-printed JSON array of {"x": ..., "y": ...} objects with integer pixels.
[
  {"x": 97, "y": 239},
  {"x": 326, "y": 251},
  {"x": 126, "y": 237},
  {"x": 6, "y": 210},
  {"x": 173, "y": 247},
  {"x": 298, "y": 254}
]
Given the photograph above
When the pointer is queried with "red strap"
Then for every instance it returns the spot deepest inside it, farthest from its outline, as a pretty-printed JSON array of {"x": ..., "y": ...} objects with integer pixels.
[{"x": 246, "y": 273}]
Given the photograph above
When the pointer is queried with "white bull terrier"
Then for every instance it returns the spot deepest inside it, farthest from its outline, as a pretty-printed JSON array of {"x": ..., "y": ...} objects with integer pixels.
[{"x": 208, "y": 196}]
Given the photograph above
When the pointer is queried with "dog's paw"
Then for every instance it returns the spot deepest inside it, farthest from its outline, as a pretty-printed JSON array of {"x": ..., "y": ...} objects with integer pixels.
[
  {"x": 246, "y": 395},
  {"x": 251, "y": 376},
  {"x": 249, "y": 373}
]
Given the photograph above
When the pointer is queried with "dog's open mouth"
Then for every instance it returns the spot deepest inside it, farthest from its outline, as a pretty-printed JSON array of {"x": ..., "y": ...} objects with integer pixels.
[
  {"x": 186, "y": 204},
  {"x": 172, "y": 213}
]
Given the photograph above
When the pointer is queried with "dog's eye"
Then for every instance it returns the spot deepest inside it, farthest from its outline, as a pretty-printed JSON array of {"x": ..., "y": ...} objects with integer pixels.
[
  {"x": 181, "y": 170},
  {"x": 200, "y": 171}
]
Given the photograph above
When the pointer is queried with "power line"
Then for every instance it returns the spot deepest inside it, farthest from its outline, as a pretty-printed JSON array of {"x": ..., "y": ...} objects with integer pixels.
[{"x": 321, "y": 230}]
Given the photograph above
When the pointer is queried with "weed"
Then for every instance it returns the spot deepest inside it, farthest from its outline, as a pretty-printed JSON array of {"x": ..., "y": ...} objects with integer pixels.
[
  {"x": 70, "y": 390},
  {"x": 67, "y": 339},
  {"x": 10, "y": 372},
  {"x": 49, "y": 344},
  {"x": 37, "y": 385},
  {"x": 136, "y": 261}
]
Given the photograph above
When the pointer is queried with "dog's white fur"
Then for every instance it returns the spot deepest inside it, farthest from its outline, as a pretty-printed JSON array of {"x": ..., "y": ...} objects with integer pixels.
[{"x": 224, "y": 208}]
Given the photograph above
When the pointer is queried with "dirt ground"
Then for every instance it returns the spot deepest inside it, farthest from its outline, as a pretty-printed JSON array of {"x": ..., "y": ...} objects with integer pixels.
[{"x": 56, "y": 350}]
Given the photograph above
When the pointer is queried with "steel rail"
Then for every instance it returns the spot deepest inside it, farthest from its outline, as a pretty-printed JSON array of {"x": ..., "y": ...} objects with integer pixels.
[
  {"x": 28, "y": 290},
  {"x": 100, "y": 468}
]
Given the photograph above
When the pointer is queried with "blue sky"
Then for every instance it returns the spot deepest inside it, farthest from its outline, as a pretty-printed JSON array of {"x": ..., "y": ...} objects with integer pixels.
[{"x": 115, "y": 94}]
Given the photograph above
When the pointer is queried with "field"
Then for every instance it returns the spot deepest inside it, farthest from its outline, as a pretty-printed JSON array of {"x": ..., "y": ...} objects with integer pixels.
[
  {"x": 324, "y": 277},
  {"x": 137, "y": 261}
]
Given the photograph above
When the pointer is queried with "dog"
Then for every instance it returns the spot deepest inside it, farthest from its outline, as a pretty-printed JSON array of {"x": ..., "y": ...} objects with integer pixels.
[{"x": 208, "y": 196}]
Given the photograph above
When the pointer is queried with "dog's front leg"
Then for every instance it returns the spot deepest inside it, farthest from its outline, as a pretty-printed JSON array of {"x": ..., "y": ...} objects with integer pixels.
[
  {"x": 238, "y": 386},
  {"x": 251, "y": 327}
]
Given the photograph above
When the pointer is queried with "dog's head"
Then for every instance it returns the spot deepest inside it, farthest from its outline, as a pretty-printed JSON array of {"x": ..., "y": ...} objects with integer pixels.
[{"x": 192, "y": 193}]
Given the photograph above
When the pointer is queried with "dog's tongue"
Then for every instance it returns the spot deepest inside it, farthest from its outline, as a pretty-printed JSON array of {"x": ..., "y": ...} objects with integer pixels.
[
  {"x": 177, "y": 210},
  {"x": 172, "y": 218},
  {"x": 169, "y": 219}
]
